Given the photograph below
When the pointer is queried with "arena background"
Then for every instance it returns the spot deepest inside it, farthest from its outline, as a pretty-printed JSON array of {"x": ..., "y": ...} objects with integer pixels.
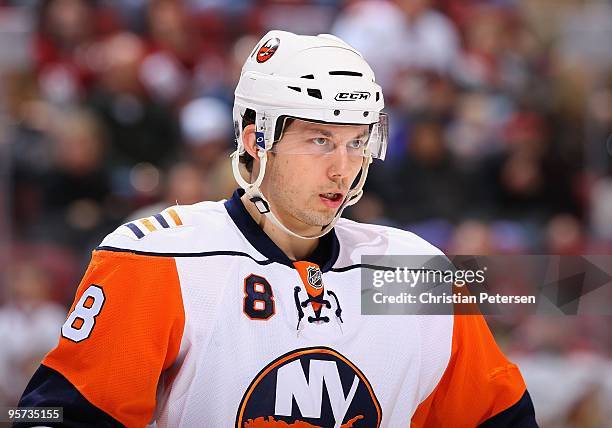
[{"x": 501, "y": 143}]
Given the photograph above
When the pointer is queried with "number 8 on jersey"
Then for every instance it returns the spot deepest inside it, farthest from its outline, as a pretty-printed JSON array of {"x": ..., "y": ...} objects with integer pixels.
[{"x": 82, "y": 319}]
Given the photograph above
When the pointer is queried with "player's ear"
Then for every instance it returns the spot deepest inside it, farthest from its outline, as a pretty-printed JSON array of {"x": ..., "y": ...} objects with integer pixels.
[{"x": 248, "y": 140}]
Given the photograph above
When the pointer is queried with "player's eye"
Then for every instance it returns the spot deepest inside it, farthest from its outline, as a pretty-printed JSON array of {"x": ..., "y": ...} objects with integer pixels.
[
  {"x": 321, "y": 142},
  {"x": 356, "y": 144}
]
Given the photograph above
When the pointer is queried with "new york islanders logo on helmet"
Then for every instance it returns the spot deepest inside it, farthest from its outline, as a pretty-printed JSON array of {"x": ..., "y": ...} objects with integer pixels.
[
  {"x": 266, "y": 50},
  {"x": 310, "y": 388}
]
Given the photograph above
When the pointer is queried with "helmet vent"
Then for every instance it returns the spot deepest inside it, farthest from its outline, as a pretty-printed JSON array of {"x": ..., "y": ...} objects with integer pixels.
[
  {"x": 316, "y": 93},
  {"x": 307, "y": 76},
  {"x": 295, "y": 88},
  {"x": 345, "y": 73},
  {"x": 377, "y": 95}
]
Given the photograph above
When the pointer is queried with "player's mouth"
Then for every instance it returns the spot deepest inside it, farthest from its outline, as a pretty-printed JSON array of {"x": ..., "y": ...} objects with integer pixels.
[{"x": 332, "y": 199}]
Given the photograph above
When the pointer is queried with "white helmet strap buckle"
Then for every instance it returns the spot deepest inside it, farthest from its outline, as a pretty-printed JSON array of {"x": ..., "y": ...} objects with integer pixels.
[{"x": 261, "y": 204}]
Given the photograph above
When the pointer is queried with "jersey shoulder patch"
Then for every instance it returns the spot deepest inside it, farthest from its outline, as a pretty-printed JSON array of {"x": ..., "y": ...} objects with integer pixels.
[
  {"x": 166, "y": 231},
  {"x": 138, "y": 229},
  {"x": 178, "y": 229}
]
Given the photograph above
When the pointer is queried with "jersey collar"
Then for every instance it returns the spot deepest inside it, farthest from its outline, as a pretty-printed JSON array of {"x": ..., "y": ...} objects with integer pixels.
[{"x": 325, "y": 255}]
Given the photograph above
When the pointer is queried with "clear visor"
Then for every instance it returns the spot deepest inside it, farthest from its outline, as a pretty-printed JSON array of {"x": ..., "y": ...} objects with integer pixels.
[{"x": 303, "y": 137}]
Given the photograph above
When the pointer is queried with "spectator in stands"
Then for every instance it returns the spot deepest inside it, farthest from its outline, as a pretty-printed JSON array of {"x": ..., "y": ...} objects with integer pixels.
[
  {"x": 76, "y": 191},
  {"x": 399, "y": 35},
  {"x": 65, "y": 34},
  {"x": 29, "y": 326},
  {"x": 426, "y": 183},
  {"x": 140, "y": 129},
  {"x": 206, "y": 126},
  {"x": 168, "y": 69}
]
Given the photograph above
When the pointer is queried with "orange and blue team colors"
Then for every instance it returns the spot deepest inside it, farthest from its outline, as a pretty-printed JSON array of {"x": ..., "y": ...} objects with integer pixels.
[
  {"x": 199, "y": 320},
  {"x": 118, "y": 366},
  {"x": 163, "y": 219}
]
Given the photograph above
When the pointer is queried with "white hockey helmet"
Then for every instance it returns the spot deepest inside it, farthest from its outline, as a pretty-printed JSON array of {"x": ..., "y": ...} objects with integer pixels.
[{"x": 313, "y": 78}]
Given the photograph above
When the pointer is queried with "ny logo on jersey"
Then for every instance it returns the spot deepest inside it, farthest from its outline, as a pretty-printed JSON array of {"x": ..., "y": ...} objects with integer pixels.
[
  {"x": 291, "y": 383},
  {"x": 313, "y": 387}
]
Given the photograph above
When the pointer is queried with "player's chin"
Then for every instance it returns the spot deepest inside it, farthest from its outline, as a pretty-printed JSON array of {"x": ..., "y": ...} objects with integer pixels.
[
  {"x": 316, "y": 217},
  {"x": 323, "y": 219}
]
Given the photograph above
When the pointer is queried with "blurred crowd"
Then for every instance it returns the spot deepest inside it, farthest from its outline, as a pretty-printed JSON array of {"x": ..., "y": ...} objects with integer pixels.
[{"x": 501, "y": 142}]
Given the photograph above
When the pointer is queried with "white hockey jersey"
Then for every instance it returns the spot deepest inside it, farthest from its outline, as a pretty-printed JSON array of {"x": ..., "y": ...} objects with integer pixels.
[{"x": 195, "y": 318}]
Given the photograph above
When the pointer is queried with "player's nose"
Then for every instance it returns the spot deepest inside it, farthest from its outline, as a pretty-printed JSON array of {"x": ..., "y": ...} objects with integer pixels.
[{"x": 339, "y": 163}]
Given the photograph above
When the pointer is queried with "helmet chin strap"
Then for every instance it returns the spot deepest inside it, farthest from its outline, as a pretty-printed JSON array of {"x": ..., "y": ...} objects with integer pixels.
[{"x": 255, "y": 195}]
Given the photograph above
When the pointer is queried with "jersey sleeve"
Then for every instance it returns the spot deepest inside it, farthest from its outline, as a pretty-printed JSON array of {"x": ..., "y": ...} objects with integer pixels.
[
  {"x": 479, "y": 387},
  {"x": 123, "y": 330}
]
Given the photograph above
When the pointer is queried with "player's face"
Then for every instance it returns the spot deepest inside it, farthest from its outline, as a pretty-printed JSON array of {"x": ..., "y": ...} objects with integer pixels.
[{"x": 310, "y": 171}]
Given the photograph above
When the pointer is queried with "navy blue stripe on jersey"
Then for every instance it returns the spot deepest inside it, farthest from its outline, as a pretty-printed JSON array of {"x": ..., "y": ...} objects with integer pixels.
[
  {"x": 135, "y": 229},
  {"x": 49, "y": 388},
  {"x": 325, "y": 255},
  {"x": 361, "y": 266},
  {"x": 202, "y": 254},
  {"x": 226, "y": 253},
  {"x": 161, "y": 220},
  {"x": 520, "y": 415},
  {"x": 376, "y": 267},
  {"x": 239, "y": 254}
]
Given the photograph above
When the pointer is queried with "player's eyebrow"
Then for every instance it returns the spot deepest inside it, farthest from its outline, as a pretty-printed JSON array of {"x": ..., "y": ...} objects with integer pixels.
[
  {"x": 329, "y": 134},
  {"x": 362, "y": 135},
  {"x": 321, "y": 131}
]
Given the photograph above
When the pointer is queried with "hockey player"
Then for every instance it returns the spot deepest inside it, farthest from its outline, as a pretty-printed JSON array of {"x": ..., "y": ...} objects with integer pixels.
[{"x": 247, "y": 312}]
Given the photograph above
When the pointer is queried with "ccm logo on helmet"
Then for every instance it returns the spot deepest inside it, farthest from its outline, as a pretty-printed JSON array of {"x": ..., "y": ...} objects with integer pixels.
[
  {"x": 352, "y": 96},
  {"x": 266, "y": 50}
]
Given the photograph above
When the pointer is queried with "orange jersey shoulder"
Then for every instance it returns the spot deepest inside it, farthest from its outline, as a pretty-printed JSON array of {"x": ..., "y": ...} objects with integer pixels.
[
  {"x": 108, "y": 350},
  {"x": 478, "y": 383}
]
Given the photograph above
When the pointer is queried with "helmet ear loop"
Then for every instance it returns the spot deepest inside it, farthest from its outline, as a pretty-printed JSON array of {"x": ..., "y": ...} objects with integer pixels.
[
  {"x": 235, "y": 157},
  {"x": 353, "y": 195},
  {"x": 263, "y": 158}
]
